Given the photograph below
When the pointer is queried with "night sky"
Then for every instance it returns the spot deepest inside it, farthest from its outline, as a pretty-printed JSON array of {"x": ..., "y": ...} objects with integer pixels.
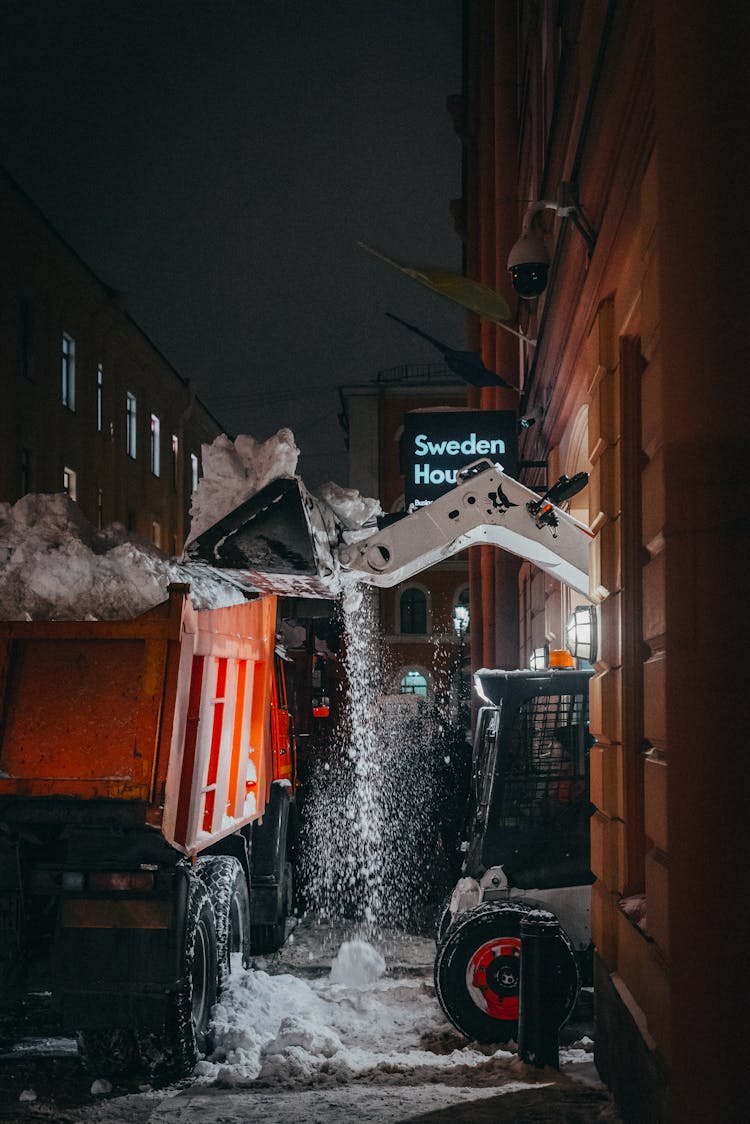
[{"x": 218, "y": 160}]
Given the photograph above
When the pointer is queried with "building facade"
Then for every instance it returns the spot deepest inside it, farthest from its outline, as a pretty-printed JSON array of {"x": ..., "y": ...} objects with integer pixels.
[
  {"x": 627, "y": 119},
  {"x": 89, "y": 404}
]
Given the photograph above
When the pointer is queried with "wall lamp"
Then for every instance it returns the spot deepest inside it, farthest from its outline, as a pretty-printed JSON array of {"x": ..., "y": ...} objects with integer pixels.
[
  {"x": 581, "y": 633},
  {"x": 529, "y": 260}
]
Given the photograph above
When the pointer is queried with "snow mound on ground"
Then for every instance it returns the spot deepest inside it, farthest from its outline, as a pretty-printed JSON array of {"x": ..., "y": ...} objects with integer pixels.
[
  {"x": 357, "y": 964},
  {"x": 54, "y": 565},
  {"x": 282, "y": 1032},
  {"x": 233, "y": 471}
]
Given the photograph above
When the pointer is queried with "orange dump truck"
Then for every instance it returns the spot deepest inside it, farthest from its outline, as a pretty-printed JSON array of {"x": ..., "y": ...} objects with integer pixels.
[{"x": 146, "y": 801}]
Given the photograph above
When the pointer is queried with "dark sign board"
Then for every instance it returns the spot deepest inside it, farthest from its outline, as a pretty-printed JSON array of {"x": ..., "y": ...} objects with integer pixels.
[{"x": 437, "y": 443}]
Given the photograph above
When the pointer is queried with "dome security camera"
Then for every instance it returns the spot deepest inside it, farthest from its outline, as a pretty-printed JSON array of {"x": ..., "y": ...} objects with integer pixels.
[
  {"x": 528, "y": 261},
  {"x": 528, "y": 265}
]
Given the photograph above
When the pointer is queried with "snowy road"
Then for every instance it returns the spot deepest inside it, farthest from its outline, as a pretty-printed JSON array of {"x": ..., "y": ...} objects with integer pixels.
[{"x": 331, "y": 1029}]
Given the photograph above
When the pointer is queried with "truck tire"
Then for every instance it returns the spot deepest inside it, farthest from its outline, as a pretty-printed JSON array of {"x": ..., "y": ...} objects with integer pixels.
[
  {"x": 109, "y": 1053},
  {"x": 270, "y": 938},
  {"x": 477, "y": 973},
  {"x": 226, "y": 883},
  {"x": 186, "y": 1032}
]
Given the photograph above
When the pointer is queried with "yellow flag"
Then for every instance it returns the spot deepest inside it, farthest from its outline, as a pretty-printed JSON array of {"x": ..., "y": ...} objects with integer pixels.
[{"x": 478, "y": 298}]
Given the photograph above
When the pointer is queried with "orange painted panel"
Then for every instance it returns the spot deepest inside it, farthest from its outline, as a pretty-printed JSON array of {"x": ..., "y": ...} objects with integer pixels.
[{"x": 77, "y": 711}]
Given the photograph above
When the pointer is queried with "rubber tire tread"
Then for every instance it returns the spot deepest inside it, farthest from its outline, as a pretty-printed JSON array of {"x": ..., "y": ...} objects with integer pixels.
[
  {"x": 175, "y": 1052},
  {"x": 224, "y": 878},
  {"x": 467, "y": 933}
]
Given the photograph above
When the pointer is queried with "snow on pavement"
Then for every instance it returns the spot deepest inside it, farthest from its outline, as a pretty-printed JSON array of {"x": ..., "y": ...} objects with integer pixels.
[{"x": 334, "y": 1028}]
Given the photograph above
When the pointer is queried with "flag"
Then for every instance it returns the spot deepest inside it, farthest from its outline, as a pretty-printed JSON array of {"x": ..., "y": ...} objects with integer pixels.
[
  {"x": 467, "y": 365},
  {"x": 477, "y": 298}
]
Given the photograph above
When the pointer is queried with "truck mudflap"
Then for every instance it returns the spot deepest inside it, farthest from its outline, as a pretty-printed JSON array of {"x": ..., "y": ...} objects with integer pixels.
[{"x": 276, "y": 541}]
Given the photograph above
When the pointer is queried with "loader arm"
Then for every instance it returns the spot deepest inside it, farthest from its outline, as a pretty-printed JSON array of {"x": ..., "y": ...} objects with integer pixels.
[{"x": 486, "y": 506}]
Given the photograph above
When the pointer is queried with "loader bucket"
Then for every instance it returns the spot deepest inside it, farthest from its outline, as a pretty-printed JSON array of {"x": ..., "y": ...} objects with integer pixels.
[{"x": 276, "y": 540}]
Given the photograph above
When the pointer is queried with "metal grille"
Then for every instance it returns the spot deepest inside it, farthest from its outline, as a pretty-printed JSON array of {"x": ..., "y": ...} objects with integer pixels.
[{"x": 544, "y": 760}]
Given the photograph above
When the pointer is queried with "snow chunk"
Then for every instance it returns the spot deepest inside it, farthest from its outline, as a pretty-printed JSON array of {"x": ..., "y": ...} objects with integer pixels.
[
  {"x": 351, "y": 508},
  {"x": 357, "y": 964},
  {"x": 233, "y": 471}
]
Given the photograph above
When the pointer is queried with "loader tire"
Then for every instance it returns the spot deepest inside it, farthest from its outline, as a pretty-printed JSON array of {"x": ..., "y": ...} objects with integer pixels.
[
  {"x": 109, "y": 1053},
  {"x": 174, "y": 1053},
  {"x": 477, "y": 973},
  {"x": 226, "y": 883}
]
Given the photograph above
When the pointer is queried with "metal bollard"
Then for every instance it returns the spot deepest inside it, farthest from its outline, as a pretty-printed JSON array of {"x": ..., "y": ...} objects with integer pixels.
[{"x": 537, "y": 1010}]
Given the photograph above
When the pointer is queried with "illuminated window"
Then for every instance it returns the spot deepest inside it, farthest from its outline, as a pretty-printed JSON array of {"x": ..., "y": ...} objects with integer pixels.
[
  {"x": 68, "y": 372},
  {"x": 175, "y": 460},
  {"x": 130, "y": 425},
  {"x": 193, "y": 471},
  {"x": 413, "y": 683},
  {"x": 70, "y": 482},
  {"x": 155, "y": 445},
  {"x": 461, "y": 614},
  {"x": 413, "y": 611}
]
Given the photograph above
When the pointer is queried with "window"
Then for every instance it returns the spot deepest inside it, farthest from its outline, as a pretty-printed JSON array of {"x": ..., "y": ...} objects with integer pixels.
[
  {"x": 461, "y": 614},
  {"x": 68, "y": 372},
  {"x": 156, "y": 533},
  {"x": 193, "y": 471},
  {"x": 70, "y": 482},
  {"x": 155, "y": 446},
  {"x": 99, "y": 508},
  {"x": 413, "y": 683},
  {"x": 175, "y": 460},
  {"x": 413, "y": 611},
  {"x": 99, "y": 398},
  {"x": 130, "y": 425}
]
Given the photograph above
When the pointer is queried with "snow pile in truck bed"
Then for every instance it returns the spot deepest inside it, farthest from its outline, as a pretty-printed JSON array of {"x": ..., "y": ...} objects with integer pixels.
[{"x": 54, "y": 565}]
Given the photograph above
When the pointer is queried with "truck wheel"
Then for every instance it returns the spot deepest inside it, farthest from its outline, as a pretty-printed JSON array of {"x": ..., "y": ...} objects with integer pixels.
[
  {"x": 226, "y": 883},
  {"x": 109, "y": 1053},
  {"x": 186, "y": 1030},
  {"x": 270, "y": 938},
  {"x": 477, "y": 973}
]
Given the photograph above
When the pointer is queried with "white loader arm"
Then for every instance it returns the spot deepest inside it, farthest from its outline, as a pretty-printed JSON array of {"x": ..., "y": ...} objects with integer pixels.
[{"x": 486, "y": 506}]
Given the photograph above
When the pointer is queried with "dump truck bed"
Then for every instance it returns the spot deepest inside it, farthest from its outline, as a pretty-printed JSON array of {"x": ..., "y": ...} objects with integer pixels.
[{"x": 167, "y": 714}]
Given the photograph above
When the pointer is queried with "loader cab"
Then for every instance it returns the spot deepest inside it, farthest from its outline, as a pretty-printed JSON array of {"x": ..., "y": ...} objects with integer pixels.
[{"x": 529, "y": 807}]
